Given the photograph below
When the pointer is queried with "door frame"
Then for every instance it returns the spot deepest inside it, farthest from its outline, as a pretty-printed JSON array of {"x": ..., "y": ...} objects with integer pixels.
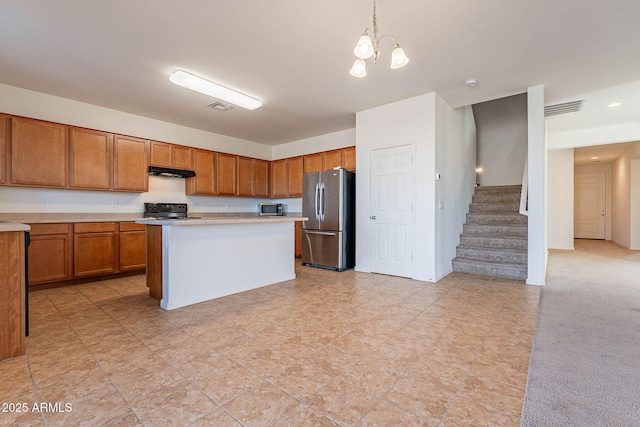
[
  {"x": 587, "y": 169},
  {"x": 411, "y": 198}
]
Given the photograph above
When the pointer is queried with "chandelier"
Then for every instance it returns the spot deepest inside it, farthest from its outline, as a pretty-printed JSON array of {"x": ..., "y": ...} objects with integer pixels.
[{"x": 367, "y": 47}]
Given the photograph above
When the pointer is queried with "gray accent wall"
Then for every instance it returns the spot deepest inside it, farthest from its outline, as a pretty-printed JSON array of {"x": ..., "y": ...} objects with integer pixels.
[{"x": 501, "y": 132}]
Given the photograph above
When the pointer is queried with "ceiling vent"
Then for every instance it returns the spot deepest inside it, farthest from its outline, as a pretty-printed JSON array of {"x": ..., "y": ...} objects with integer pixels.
[
  {"x": 219, "y": 105},
  {"x": 565, "y": 107}
]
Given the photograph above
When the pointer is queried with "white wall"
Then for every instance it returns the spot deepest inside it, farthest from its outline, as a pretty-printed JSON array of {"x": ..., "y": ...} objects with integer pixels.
[
  {"x": 623, "y": 132},
  {"x": 444, "y": 142},
  {"x": 625, "y": 178},
  {"x": 501, "y": 127},
  {"x": 537, "y": 157},
  {"x": 560, "y": 199},
  {"x": 455, "y": 161},
  {"x": 330, "y": 141},
  {"x": 410, "y": 121}
]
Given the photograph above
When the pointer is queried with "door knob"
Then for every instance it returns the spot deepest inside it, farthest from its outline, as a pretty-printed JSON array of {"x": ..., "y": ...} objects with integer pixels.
[
  {"x": 602, "y": 212},
  {"x": 372, "y": 217}
]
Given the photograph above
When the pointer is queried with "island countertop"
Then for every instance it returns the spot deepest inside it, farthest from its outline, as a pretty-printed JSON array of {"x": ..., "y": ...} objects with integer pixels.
[
  {"x": 13, "y": 226},
  {"x": 222, "y": 220}
]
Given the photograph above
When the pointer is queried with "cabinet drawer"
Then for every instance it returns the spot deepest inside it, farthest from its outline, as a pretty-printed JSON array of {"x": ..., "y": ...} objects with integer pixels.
[
  {"x": 132, "y": 226},
  {"x": 41, "y": 229},
  {"x": 94, "y": 227}
]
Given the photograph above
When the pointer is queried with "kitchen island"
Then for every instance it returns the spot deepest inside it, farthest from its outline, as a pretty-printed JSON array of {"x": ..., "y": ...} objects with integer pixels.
[{"x": 195, "y": 260}]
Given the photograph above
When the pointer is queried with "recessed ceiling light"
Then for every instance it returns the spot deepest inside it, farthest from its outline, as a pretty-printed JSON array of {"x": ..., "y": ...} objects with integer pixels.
[
  {"x": 614, "y": 104},
  {"x": 473, "y": 82},
  {"x": 184, "y": 79}
]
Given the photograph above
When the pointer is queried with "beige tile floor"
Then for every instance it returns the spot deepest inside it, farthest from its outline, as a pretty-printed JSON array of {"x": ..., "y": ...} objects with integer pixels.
[{"x": 324, "y": 349}]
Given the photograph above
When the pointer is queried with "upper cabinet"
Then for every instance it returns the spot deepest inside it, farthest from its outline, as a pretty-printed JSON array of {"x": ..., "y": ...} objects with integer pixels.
[
  {"x": 205, "y": 182},
  {"x": 253, "y": 177},
  {"x": 42, "y": 144},
  {"x": 261, "y": 174},
  {"x": 227, "y": 174},
  {"x": 294, "y": 176},
  {"x": 4, "y": 147},
  {"x": 130, "y": 164},
  {"x": 349, "y": 158},
  {"x": 169, "y": 155},
  {"x": 332, "y": 159},
  {"x": 90, "y": 159},
  {"x": 313, "y": 162},
  {"x": 279, "y": 178}
]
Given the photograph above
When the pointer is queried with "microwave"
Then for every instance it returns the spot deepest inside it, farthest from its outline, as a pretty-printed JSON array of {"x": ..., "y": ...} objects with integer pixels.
[{"x": 271, "y": 209}]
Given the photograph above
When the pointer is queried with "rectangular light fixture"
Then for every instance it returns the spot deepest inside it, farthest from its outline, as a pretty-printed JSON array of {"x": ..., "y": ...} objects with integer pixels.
[{"x": 184, "y": 79}]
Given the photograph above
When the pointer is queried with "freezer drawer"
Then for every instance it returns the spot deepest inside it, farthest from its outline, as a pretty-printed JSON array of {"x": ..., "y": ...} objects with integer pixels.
[{"x": 322, "y": 249}]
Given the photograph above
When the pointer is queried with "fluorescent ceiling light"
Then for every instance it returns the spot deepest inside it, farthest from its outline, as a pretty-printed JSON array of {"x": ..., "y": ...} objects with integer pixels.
[{"x": 184, "y": 79}]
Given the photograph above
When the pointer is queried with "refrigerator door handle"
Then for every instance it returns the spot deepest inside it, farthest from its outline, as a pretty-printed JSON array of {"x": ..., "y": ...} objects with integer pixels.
[
  {"x": 322, "y": 233},
  {"x": 317, "y": 201},
  {"x": 324, "y": 201}
]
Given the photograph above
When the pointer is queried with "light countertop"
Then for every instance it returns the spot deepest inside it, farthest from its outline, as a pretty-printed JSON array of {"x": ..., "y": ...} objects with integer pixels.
[
  {"x": 226, "y": 219},
  {"x": 13, "y": 226}
]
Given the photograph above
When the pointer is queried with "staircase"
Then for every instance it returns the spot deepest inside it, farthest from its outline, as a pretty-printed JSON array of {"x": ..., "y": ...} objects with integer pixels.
[{"x": 494, "y": 238}]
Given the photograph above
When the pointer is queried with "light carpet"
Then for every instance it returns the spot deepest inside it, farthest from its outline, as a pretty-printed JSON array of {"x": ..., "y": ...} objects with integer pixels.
[{"x": 585, "y": 359}]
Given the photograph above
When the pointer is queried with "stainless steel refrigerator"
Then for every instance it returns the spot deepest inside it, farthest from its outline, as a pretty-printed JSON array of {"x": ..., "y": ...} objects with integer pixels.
[{"x": 328, "y": 237}]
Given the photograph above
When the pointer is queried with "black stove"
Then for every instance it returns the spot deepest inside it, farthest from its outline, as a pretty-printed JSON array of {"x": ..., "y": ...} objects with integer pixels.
[{"x": 165, "y": 210}]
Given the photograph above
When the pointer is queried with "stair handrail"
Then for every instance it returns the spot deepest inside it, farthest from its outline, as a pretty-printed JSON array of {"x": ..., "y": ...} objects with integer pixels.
[{"x": 524, "y": 192}]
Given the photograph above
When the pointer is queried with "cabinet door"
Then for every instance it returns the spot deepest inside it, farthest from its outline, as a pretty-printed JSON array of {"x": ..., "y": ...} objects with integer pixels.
[
  {"x": 227, "y": 174},
  {"x": 131, "y": 164},
  {"x": 38, "y": 153},
  {"x": 4, "y": 148},
  {"x": 161, "y": 154},
  {"x": 90, "y": 159},
  {"x": 246, "y": 177},
  {"x": 332, "y": 159},
  {"x": 261, "y": 173},
  {"x": 204, "y": 183},
  {"x": 49, "y": 253},
  {"x": 349, "y": 156},
  {"x": 279, "y": 178},
  {"x": 133, "y": 250},
  {"x": 313, "y": 162},
  {"x": 298, "y": 239},
  {"x": 294, "y": 176},
  {"x": 12, "y": 295},
  {"x": 94, "y": 254},
  {"x": 182, "y": 157}
]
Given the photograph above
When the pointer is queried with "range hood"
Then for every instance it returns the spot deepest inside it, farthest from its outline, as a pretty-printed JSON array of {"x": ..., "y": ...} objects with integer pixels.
[{"x": 171, "y": 172}]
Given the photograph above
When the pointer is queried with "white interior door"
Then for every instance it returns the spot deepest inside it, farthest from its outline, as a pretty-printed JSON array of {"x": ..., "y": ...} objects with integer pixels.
[
  {"x": 391, "y": 213},
  {"x": 590, "y": 206}
]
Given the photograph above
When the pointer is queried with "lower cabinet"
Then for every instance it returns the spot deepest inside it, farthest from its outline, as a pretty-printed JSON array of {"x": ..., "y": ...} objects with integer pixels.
[
  {"x": 298, "y": 239},
  {"x": 132, "y": 245},
  {"x": 50, "y": 253},
  {"x": 95, "y": 249},
  {"x": 64, "y": 251}
]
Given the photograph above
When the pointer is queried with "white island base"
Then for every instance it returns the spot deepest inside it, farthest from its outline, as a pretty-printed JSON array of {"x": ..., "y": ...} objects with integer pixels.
[{"x": 206, "y": 259}]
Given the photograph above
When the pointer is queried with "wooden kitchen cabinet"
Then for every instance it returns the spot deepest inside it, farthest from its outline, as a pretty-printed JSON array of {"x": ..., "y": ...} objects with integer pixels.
[
  {"x": 12, "y": 295},
  {"x": 38, "y": 153},
  {"x": 90, "y": 159},
  {"x": 169, "y": 155},
  {"x": 130, "y": 164},
  {"x": 294, "y": 177},
  {"x": 4, "y": 147},
  {"x": 132, "y": 246},
  {"x": 227, "y": 174},
  {"x": 50, "y": 253},
  {"x": 279, "y": 178},
  {"x": 205, "y": 182},
  {"x": 246, "y": 177},
  {"x": 298, "y": 239},
  {"x": 332, "y": 159},
  {"x": 349, "y": 158},
  {"x": 313, "y": 162},
  {"x": 261, "y": 174},
  {"x": 94, "y": 249}
]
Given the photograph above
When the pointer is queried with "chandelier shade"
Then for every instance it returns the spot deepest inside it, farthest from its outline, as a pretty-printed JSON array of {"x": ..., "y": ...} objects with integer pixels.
[{"x": 367, "y": 47}]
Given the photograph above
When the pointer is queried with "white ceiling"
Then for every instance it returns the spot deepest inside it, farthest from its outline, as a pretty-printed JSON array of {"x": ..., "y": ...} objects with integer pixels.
[
  {"x": 604, "y": 153},
  {"x": 295, "y": 55}
]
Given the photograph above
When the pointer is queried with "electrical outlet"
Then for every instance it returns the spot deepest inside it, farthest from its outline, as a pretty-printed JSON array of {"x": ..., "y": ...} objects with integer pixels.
[
  {"x": 227, "y": 205},
  {"x": 441, "y": 204},
  {"x": 114, "y": 203},
  {"x": 48, "y": 202}
]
